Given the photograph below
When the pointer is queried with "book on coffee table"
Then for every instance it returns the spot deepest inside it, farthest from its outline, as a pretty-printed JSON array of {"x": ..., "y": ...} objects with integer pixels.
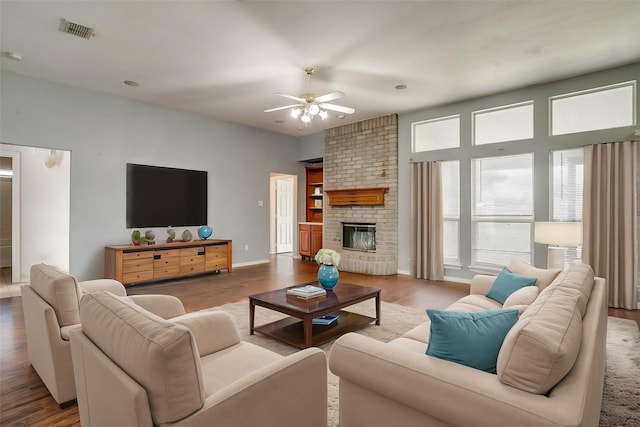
[
  {"x": 307, "y": 291},
  {"x": 324, "y": 320}
]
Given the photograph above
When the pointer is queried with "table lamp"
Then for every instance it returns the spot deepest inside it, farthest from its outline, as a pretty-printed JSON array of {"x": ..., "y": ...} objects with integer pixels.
[{"x": 559, "y": 234}]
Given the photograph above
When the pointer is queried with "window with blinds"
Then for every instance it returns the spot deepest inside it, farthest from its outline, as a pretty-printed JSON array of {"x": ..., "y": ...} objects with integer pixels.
[
  {"x": 567, "y": 175},
  {"x": 502, "y": 209},
  {"x": 451, "y": 211}
]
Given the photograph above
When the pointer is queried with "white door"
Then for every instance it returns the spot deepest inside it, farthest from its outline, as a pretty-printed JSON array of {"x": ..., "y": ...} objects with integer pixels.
[{"x": 284, "y": 215}]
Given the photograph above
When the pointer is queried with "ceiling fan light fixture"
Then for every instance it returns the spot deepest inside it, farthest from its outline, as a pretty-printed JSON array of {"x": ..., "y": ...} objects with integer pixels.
[
  {"x": 309, "y": 105},
  {"x": 313, "y": 109}
]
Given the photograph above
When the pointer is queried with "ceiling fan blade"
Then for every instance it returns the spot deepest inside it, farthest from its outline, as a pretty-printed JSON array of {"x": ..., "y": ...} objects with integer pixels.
[
  {"x": 295, "y": 98},
  {"x": 330, "y": 96},
  {"x": 339, "y": 108},
  {"x": 282, "y": 108}
]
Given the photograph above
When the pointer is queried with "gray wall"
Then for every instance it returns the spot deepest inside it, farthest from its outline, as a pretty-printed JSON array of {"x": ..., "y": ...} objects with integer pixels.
[
  {"x": 541, "y": 144},
  {"x": 105, "y": 132},
  {"x": 310, "y": 147}
]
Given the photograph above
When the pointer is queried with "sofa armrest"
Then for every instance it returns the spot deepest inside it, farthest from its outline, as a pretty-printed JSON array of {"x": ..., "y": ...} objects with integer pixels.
[
  {"x": 165, "y": 306},
  {"x": 281, "y": 394},
  {"x": 439, "y": 388},
  {"x": 212, "y": 330},
  {"x": 48, "y": 352},
  {"x": 481, "y": 283},
  {"x": 106, "y": 394},
  {"x": 109, "y": 285}
]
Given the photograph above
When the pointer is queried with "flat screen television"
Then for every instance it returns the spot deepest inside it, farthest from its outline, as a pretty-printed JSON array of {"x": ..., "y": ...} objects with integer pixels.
[{"x": 165, "y": 197}]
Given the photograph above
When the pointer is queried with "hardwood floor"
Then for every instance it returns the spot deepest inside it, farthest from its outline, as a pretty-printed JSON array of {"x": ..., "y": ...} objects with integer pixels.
[{"x": 24, "y": 401}]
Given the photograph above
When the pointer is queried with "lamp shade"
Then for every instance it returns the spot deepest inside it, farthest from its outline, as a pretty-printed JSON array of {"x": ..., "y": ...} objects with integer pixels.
[{"x": 558, "y": 233}]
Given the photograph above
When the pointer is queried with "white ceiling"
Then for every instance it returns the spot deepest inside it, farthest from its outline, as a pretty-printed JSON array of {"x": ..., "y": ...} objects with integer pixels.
[{"x": 228, "y": 59}]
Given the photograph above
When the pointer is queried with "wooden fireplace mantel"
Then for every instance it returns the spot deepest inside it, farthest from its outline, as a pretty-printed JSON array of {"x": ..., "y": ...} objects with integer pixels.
[{"x": 357, "y": 196}]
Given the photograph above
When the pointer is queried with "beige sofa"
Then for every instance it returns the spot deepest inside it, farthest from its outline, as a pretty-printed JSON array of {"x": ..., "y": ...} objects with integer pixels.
[
  {"x": 133, "y": 368},
  {"x": 51, "y": 310},
  {"x": 550, "y": 367}
]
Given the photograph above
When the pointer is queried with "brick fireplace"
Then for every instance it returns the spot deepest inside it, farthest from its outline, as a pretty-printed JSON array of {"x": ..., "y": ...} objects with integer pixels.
[{"x": 358, "y": 156}]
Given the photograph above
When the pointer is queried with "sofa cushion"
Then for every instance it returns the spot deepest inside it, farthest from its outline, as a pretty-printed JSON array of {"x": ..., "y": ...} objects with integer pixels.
[
  {"x": 420, "y": 333},
  {"x": 471, "y": 303},
  {"x": 544, "y": 276},
  {"x": 224, "y": 367},
  {"x": 471, "y": 339},
  {"x": 170, "y": 371},
  {"x": 60, "y": 290},
  {"x": 579, "y": 277},
  {"x": 507, "y": 283},
  {"x": 543, "y": 345}
]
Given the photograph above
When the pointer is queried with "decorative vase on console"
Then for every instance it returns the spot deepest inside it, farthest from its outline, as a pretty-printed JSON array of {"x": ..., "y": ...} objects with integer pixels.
[
  {"x": 328, "y": 272},
  {"x": 135, "y": 237},
  {"x": 204, "y": 232}
]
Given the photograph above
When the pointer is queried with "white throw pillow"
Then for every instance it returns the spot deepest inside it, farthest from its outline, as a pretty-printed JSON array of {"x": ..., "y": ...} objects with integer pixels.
[
  {"x": 523, "y": 296},
  {"x": 544, "y": 276}
]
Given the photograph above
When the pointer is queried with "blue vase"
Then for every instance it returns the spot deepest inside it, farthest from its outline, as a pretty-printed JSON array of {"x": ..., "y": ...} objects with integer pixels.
[
  {"x": 328, "y": 276},
  {"x": 204, "y": 232}
]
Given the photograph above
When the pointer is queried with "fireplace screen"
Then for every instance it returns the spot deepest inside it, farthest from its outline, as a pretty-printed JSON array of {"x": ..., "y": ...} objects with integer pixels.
[{"x": 359, "y": 236}]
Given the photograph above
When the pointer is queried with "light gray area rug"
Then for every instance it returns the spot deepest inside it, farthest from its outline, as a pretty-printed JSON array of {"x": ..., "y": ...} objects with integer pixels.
[{"x": 621, "y": 401}]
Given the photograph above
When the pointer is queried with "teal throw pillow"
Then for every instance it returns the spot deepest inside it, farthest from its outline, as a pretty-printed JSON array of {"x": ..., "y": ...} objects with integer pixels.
[
  {"x": 507, "y": 283},
  {"x": 471, "y": 339}
]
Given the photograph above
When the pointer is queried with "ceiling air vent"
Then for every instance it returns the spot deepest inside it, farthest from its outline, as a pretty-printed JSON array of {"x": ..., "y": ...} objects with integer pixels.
[{"x": 75, "y": 29}]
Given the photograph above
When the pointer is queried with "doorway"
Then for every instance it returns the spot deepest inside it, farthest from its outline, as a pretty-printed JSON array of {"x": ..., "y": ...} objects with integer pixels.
[
  {"x": 283, "y": 190},
  {"x": 9, "y": 217},
  {"x": 35, "y": 208}
]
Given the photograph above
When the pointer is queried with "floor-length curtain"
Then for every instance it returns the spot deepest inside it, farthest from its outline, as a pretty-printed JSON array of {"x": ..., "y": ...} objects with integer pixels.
[
  {"x": 426, "y": 221},
  {"x": 609, "y": 218}
]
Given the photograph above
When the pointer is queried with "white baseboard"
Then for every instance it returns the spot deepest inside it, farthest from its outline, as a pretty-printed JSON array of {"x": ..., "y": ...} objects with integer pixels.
[
  {"x": 457, "y": 279},
  {"x": 446, "y": 278},
  {"x": 245, "y": 264}
]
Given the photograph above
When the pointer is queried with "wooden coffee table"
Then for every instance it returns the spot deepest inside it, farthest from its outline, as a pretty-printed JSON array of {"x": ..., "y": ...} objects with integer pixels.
[{"x": 298, "y": 330}]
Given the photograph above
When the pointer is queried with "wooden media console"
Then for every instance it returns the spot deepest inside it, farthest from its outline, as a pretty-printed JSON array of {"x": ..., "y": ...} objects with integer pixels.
[{"x": 131, "y": 265}]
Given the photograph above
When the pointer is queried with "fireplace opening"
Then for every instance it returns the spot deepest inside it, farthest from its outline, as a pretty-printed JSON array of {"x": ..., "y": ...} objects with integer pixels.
[{"x": 359, "y": 236}]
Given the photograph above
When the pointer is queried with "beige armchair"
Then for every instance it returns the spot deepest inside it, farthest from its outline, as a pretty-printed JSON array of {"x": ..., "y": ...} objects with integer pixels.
[
  {"x": 133, "y": 368},
  {"x": 51, "y": 310}
]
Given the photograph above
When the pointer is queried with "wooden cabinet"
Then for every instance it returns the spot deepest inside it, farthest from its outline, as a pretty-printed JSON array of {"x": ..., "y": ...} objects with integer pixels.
[
  {"x": 304, "y": 240},
  {"x": 314, "y": 196},
  {"x": 310, "y": 232},
  {"x": 192, "y": 260},
  {"x": 138, "y": 264},
  {"x": 316, "y": 239},
  {"x": 137, "y": 267},
  {"x": 166, "y": 263},
  {"x": 310, "y": 239},
  {"x": 216, "y": 258}
]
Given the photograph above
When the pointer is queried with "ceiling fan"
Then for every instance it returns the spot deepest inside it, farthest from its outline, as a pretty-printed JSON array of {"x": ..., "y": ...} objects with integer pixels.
[{"x": 310, "y": 105}]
